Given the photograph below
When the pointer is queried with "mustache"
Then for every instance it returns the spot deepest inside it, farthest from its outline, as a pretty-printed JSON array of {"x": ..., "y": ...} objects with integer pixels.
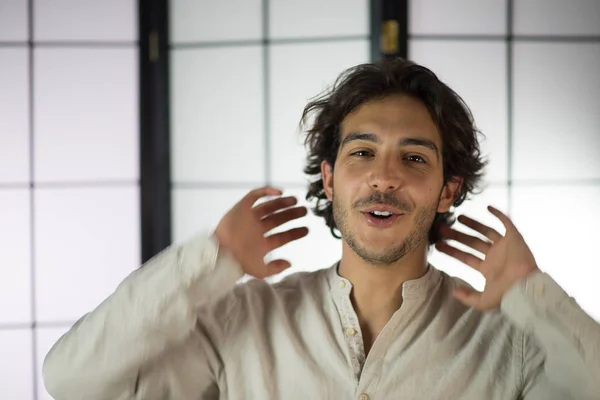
[{"x": 386, "y": 198}]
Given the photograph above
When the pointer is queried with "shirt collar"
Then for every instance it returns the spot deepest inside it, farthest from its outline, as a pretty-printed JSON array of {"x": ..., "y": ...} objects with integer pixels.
[{"x": 415, "y": 288}]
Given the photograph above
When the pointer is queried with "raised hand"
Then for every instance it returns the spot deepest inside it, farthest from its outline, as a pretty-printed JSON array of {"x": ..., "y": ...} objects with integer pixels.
[
  {"x": 242, "y": 230},
  {"x": 507, "y": 259}
]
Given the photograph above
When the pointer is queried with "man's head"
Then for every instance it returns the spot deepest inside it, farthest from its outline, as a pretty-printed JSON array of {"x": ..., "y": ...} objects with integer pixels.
[{"x": 389, "y": 137}]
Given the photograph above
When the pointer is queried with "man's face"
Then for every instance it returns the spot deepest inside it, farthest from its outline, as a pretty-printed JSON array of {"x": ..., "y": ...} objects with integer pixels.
[{"x": 387, "y": 182}]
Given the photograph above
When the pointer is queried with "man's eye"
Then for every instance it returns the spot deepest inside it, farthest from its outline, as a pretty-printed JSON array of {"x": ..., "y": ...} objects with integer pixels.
[
  {"x": 415, "y": 158},
  {"x": 361, "y": 153}
]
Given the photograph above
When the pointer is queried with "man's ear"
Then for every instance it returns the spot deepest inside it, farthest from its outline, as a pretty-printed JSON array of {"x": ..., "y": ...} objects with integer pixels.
[
  {"x": 449, "y": 194},
  {"x": 327, "y": 174}
]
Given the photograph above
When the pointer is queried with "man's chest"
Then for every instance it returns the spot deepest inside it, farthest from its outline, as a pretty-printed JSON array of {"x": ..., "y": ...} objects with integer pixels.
[{"x": 321, "y": 359}]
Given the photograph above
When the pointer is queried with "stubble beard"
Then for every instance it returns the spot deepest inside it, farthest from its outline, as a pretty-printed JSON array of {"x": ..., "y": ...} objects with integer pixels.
[{"x": 383, "y": 257}]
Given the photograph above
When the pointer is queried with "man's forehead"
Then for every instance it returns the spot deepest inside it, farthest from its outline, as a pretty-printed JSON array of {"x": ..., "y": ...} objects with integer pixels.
[
  {"x": 384, "y": 125},
  {"x": 390, "y": 111}
]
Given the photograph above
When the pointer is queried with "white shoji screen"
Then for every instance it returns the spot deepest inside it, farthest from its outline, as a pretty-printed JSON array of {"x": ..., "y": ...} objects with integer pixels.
[
  {"x": 241, "y": 74},
  {"x": 529, "y": 72},
  {"x": 69, "y": 213}
]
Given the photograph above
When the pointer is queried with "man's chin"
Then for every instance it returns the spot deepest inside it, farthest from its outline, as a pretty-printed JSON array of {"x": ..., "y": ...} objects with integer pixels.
[
  {"x": 381, "y": 257},
  {"x": 380, "y": 250}
]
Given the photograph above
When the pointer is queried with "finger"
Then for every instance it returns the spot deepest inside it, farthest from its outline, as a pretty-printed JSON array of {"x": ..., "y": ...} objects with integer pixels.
[
  {"x": 280, "y": 239},
  {"x": 271, "y": 206},
  {"x": 464, "y": 257},
  {"x": 280, "y": 218},
  {"x": 468, "y": 297},
  {"x": 471, "y": 241},
  {"x": 485, "y": 230},
  {"x": 252, "y": 196},
  {"x": 276, "y": 266},
  {"x": 508, "y": 224}
]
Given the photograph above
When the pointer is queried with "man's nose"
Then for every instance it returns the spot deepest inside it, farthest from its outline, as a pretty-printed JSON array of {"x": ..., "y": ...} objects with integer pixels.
[{"x": 386, "y": 176}]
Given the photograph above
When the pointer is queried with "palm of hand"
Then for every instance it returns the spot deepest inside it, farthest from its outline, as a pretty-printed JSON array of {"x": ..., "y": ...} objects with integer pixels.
[
  {"x": 242, "y": 231},
  {"x": 507, "y": 260}
]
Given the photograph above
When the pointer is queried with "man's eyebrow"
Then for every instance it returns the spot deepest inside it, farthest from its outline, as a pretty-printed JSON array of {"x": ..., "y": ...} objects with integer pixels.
[
  {"x": 419, "y": 142},
  {"x": 365, "y": 136}
]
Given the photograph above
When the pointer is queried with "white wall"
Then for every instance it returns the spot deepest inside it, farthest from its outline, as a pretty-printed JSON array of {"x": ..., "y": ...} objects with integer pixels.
[
  {"x": 536, "y": 100},
  {"x": 69, "y": 213}
]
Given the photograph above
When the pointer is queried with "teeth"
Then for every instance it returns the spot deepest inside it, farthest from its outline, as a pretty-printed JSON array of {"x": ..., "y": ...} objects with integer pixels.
[{"x": 382, "y": 213}]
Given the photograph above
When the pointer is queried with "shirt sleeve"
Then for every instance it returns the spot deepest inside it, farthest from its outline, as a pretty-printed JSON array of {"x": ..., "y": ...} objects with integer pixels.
[
  {"x": 137, "y": 340},
  {"x": 561, "y": 346}
]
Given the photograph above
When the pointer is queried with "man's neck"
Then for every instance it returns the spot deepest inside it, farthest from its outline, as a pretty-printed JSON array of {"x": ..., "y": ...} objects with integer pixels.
[{"x": 377, "y": 289}]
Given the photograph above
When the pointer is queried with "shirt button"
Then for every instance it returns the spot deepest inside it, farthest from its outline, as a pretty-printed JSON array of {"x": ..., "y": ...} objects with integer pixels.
[
  {"x": 341, "y": 284},
  {"x": 537, "y": 290},
  {"x": 350, "y": 331},
  {"x": 363, "y": 396}
]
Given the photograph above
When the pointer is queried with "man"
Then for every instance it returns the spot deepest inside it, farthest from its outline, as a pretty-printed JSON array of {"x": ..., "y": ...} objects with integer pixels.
[{"x": 391, "y": 149}]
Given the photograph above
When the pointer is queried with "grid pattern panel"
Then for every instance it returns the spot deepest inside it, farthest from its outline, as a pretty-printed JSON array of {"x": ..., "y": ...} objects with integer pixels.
[
  {"x": 230, "y": 136},
  {"x": 69, "y": 196},
  {"x": 529, "y": 76}
]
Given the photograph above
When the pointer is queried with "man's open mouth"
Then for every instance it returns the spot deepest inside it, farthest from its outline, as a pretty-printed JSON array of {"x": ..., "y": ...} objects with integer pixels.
[{"x": 381, "y": 214}]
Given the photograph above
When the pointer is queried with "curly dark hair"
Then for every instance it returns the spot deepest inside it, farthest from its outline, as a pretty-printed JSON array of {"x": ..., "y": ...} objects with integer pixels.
[{"x": 373, "y": 81}]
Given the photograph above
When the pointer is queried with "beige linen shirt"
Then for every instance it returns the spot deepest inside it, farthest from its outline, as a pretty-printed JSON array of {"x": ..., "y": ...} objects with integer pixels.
[{"x": 181, "y": 328}]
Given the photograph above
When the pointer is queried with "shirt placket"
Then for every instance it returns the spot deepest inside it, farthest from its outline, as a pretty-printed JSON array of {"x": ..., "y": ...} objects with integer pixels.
[
  {"x": 354, "y": 338},
  {"x": 367, "y": 371},
  {"x": 352, "y": 332}
]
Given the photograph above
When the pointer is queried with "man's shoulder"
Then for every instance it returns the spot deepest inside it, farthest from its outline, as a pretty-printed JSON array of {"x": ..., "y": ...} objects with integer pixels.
[
  {"x": 492, "y": 322},
  {"x": 263, "y": 300},
  {"x": 296, "y": 283}
]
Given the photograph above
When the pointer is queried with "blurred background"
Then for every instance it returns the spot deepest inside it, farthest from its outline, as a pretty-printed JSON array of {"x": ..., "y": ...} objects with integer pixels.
[{"x": 127, "y": 126}]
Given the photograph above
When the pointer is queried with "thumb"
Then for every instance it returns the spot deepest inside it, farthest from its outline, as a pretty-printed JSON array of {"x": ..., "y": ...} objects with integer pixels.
[{"x": 468, "y": 297}]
